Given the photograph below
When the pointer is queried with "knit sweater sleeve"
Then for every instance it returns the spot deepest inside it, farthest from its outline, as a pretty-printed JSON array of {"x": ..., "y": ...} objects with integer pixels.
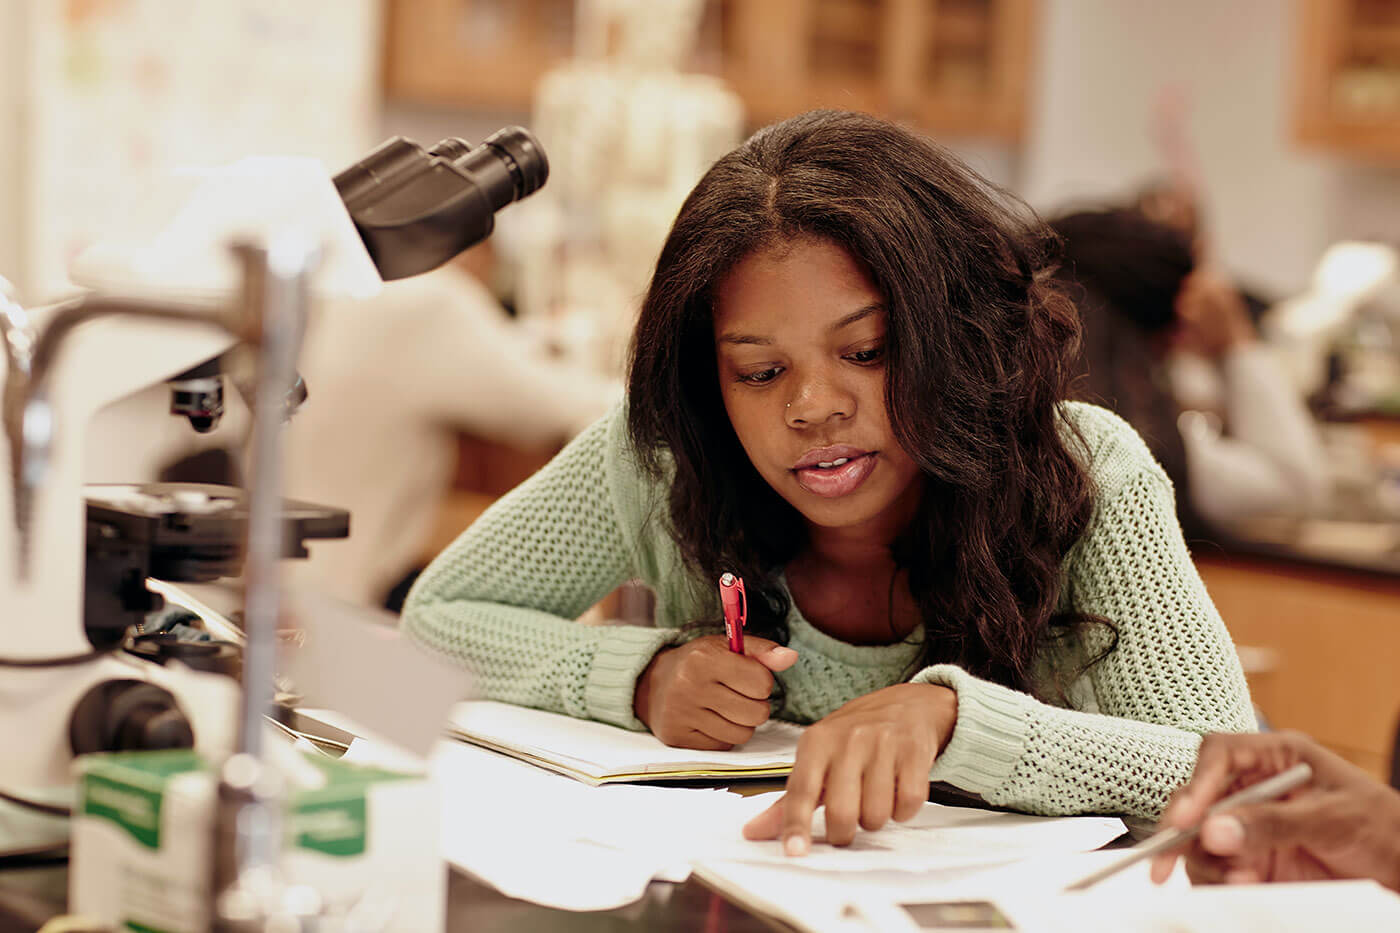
[
  {"x": 502, "y": 599},
  {"x": 1172, "y": 677}
]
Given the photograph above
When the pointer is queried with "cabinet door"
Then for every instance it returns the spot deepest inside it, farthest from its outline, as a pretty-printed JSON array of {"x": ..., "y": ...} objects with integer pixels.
[
  {"x": 475, "y": 54},
  {"x": 1335, "y": 640},
  {"x": 946, "y": 66},
  {"x": 951, "y": 66},
  {"x": 1348, "y": 93}
]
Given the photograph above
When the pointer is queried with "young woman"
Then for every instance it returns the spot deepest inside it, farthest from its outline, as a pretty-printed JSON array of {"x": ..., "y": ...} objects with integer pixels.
[{"x": 847, "y": 386}]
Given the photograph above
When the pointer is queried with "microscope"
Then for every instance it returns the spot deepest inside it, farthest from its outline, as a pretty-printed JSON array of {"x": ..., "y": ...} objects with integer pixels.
[{"x": 73, "y": 566}]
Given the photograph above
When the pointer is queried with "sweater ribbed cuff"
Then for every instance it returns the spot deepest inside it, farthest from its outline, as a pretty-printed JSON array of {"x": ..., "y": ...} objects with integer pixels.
[
  {"x": 622, "y": 653},
  {"x": 990, "y": 735}
]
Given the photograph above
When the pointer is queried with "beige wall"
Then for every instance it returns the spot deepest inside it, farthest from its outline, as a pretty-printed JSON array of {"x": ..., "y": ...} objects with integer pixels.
[{"x": 1273, "y": 206}]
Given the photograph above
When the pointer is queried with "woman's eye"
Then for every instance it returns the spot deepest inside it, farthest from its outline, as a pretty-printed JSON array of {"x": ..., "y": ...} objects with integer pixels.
[
  {"x": 760, "y": 377},
  {"x": 866, "y": 356}
]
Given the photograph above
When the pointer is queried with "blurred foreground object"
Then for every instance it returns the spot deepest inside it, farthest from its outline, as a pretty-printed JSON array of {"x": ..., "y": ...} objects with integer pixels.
[
  {"x": 156, "y": 313},
  {"x": 403, "y": 374},
  {"x": 165, "y": 311}
]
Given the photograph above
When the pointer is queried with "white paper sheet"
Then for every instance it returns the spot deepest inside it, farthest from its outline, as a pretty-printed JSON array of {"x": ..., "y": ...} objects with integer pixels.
[
  {"x": 552, "y": 840},
  {"x": 1258, "y": 908},
  {"x": 827, "y": 900},
  {"x": 549, "y": 839},
  {"x": 939, "y": 837},
  {"x": 1030, "y": 894}
]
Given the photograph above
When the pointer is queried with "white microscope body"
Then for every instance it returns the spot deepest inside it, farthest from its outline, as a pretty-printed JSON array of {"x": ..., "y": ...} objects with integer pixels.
[
  {"x": 400, "y": 211},
  {"x": 188, "y": 267},
  {"x": 41, "y": 605}
]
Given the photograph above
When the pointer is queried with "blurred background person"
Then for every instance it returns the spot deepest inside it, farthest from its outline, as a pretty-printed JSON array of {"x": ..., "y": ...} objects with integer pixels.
[
  {"x": 398, "y": 378},
  {"x": 1238, "y": 443}
]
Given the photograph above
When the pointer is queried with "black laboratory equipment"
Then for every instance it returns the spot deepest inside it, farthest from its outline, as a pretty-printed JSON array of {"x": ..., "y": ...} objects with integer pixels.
[{"x": 415, "y": 209}]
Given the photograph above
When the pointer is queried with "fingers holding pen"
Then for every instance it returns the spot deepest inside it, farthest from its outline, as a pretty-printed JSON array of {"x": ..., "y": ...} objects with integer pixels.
[
  {"x": 702, "y": 695},
  {"x": 770, "y": 654},
  {"x": 1251, "y": 840}
]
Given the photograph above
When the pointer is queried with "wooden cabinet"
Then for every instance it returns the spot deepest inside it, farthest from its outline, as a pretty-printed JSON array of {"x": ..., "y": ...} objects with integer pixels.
[
  {"x": 1334, "y": 640},
  {"x": 1348, "y": 95},
  {"x": 473, "y": 54},
  {"x": 951, "y": 66}
]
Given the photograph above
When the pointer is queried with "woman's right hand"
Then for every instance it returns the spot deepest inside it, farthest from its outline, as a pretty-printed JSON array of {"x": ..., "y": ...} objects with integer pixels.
[{"x": 702, "y": 695}]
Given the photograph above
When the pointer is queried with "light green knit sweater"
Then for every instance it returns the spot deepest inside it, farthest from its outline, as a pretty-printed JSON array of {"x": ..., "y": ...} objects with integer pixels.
[{"x": 502, "y": 598}]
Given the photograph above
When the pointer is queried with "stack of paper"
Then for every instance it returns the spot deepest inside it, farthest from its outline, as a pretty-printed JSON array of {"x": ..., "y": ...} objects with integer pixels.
[
  {"x": 597, "y": 753},
  {"x": 545, "y": 838}
]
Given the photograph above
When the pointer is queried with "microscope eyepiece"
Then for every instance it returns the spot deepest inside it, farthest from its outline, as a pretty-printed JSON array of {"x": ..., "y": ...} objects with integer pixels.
[
  {"x": 527, "y": 162},
  {"x": 415, "y": 209}
]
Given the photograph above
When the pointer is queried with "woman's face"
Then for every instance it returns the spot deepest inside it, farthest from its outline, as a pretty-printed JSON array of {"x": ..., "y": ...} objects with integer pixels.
[{"x": 800, "y": 344}]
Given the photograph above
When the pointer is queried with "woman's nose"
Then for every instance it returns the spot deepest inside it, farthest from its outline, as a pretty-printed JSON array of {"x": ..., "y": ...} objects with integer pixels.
[{"x": 817, "y": 402}]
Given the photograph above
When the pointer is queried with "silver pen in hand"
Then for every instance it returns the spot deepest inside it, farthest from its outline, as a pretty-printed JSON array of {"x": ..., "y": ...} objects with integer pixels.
[{"x": 1168, "y": 839}]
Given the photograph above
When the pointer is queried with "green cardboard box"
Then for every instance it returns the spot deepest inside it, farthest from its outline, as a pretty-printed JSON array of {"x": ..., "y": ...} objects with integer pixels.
[{"x": 365, "y": 839}]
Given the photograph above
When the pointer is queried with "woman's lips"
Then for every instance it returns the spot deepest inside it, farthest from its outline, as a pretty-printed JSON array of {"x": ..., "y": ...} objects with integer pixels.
[{"x": 834, "y": 482}]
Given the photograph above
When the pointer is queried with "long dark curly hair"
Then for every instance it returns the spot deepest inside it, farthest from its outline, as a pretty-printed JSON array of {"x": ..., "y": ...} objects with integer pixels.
[{"x": 979, "y": 344}]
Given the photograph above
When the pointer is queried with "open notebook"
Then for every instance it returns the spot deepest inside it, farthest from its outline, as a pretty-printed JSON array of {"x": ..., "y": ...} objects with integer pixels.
[{"x": 597, "y": 753}]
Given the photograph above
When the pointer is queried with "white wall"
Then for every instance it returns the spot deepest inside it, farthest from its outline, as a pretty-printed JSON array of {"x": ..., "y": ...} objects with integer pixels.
[{"x": 1271, "y": 206}]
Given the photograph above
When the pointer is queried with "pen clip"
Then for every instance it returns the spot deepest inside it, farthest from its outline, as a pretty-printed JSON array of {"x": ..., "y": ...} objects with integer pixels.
[{"x": 735, "y": 602}]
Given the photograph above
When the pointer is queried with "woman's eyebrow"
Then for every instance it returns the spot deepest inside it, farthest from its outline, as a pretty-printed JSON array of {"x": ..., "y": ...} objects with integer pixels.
[
  {"x": 862, "y": 313},
  {"x": 872, "y": 308},
  {"x": 745, "y": 339}
]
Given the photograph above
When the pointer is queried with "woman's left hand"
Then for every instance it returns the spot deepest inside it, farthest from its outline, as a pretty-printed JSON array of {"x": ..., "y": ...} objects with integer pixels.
[{"x": 867, "y": 762}]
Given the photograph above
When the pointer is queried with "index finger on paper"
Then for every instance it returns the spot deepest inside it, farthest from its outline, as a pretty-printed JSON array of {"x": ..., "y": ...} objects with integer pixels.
[
  {"x": 804, "y": 793},
  {"x": 767, "y": 824}
]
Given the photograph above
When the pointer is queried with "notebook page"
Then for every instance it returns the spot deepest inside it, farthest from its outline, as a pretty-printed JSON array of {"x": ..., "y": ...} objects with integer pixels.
[{"x": 600, "y": 749}]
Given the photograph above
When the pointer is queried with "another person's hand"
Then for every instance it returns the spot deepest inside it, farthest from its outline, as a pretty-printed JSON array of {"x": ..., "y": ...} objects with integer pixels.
[
  {"x": 1211, "y": 316},
  {"x": 702, "y": 695},
  {"x": 867, "y": 762},
  {"x": 1342, "y": 824}
]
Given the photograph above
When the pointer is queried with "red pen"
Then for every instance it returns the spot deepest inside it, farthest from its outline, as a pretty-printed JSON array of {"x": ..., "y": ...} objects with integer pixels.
[{"x": 736, "y": 610}]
